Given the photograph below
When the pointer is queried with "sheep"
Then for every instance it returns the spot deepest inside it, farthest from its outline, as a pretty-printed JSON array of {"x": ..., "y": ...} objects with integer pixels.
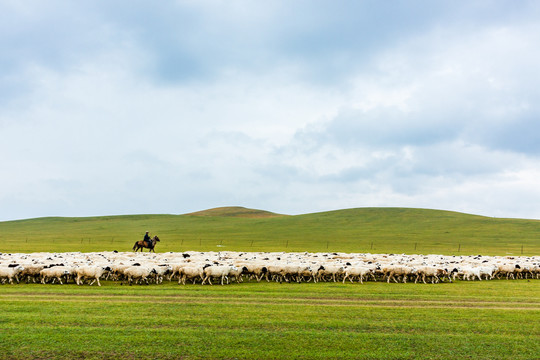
[
  {"x": 278, "y": 266},
  {"x": 471, "y": 272},
  {"x": 94, "y": 272},
  {"x": 31, "y": 272},
  {"x": 137, "y": 273},
  {"x": 8, "y": 273},
  {"x": 218, "y": 272},
  {"x": 535, "y": 271},
  {"x": 331, "y": 271},
  {"x": 176, "y": 270},
  {"x": 487, "y": 271},
  {"x": 257, "y": 270},
  {"x": 237, "y": 272},
  {"x": 310, "y": 273},
  {"x": 191, "y": 272},
  {"x": 273, "y": 272},
  {"x": 292, "y": 272},
  {"x": 507, "y": 270},
  {"x": 429, "y": 271},
  {"x": 356, "y": 271},
  {"x": 161, "y": 271},
  {"x": 54, "y": 273},
  {"x": 403, "y": 271},
  {"x": 117, "y": 271}
]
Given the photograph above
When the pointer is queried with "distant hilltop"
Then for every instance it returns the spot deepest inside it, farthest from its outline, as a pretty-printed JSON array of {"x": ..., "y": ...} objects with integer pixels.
[{"x": 235, "y": 211}]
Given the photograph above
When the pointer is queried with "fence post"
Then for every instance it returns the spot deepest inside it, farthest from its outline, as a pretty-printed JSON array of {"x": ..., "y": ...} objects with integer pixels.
[
  {"x": 415, "y": 246},
  {"x": 459, "y": 248},
  {"x": 521, "y": 249},
  {"x": 287, "y": 245}
]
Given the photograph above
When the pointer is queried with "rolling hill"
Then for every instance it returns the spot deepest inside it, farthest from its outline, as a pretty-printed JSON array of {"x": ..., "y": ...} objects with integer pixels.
[
  {"x": 235, "y": 211},
  {"x": 375, "y": 230}
]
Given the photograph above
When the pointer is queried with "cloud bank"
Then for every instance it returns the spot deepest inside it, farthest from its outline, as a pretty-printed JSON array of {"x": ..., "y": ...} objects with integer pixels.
[{"x": 293, "y": 107}]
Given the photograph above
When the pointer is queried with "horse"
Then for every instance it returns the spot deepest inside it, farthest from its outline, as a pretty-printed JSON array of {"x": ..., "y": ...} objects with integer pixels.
[{"x": 145, "y": 244}]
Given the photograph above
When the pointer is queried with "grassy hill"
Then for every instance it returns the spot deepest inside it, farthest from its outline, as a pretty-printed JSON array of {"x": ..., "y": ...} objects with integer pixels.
[
  {"x": 235, "y": 211},
  {"x": 375, "y": 230}
]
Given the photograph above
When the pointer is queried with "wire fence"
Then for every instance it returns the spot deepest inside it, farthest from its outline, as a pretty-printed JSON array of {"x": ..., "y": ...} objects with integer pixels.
[{"x": 123, "y": 244}]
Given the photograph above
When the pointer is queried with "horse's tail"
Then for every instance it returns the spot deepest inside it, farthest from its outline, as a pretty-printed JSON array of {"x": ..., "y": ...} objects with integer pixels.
[{"x": 134, "y": 246}]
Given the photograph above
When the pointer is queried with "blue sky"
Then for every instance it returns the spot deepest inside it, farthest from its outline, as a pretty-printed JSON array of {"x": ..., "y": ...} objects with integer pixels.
[{"x": 127, "y": 107}]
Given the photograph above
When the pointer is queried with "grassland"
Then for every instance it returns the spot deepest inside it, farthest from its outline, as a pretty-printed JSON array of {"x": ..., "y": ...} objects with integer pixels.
[
  {"x": 465, "y": 320},
  {"x": 468, "y": 320},
  {"x": 375, "y": 230}
]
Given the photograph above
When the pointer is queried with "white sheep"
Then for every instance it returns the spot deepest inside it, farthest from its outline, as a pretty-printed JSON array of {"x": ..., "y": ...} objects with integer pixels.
[
  {"x": 470, "y": 273},
  {"x": 403, "y": 271},
  {"x": 54, "y": 273},
  {"x": 138, "y": 274},
  {"x": 237, "y": 272},
  {"x": 358, "y": 272},
  {"x": 429, "y": 272},
  {"x": 10, "y": 273},
  {"x": 331, "y": 271},
  {"x": 508, "y": 270},
  {"x": 221, "y": 272},
  {"x": 191, "y": 272},
  {"x": 256, "y": 269},
  {"x": 161, "y": 271},
  {"x": 31, "y": 272},
  {"x": 93, "y": 272}
]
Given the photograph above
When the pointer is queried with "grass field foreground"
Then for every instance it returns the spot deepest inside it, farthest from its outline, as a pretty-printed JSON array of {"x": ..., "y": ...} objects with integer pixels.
[{"x": 467, "y": 320}]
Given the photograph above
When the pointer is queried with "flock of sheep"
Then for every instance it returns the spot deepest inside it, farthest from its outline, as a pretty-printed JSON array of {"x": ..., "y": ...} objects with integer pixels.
[{"x": 226, "y": 267}]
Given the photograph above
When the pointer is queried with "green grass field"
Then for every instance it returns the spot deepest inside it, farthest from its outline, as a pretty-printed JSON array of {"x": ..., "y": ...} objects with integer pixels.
[
  {"x": 466, "y": 320},
  {"x": 375, "y": 230},
  {"x": 496, "y": 319}
]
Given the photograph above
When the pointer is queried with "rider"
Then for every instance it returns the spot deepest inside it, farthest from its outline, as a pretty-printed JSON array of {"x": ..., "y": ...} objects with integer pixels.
[{"x": 147, "y": 239}]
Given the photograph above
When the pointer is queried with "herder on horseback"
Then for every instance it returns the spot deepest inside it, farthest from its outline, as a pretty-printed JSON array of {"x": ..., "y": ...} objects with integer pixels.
[
  {"x": 146, "y": 242},
  {"x": 147, "y": 238}
]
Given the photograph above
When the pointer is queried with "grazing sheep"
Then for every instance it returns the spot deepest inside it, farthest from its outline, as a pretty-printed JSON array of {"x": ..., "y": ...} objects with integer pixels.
[
  {"x": 54, "y": 273},
  {"x": 292, "y": 272},
  {"x": 237, "y": 274},
  {"x": 276, "y": 266},
  {"x": 218, "y": 272},
  {"x": 31, "y": 272},
  {"x": 9, "y": 273},
  {"x": 191, "y": 272},
  {"x": 310, "y": 273},
  {"x": 137, "y": 274},
  {"x": 93, "y": 272},
  {"x": 257, "y": 270},
  {"x": 330, "y": 271},
  {"x": 358, "y": 272},
  {"x": 508, "y": 270},
  {"x": 470, "y": 273},
  {"x": 429, "y": 272},
  {"x": 398, "y": 271},
  {"x": 161, "y": 271}
]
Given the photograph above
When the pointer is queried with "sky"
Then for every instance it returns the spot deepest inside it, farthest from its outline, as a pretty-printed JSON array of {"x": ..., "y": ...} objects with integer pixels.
[{"x": 143, "y": 107}]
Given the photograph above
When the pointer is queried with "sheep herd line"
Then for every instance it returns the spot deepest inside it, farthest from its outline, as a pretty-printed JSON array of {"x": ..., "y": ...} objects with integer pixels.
[{"x": 227, "y": 267}]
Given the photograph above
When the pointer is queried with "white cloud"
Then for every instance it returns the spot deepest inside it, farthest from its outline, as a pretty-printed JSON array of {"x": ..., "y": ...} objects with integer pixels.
[{"x": 175, "y": 108}]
